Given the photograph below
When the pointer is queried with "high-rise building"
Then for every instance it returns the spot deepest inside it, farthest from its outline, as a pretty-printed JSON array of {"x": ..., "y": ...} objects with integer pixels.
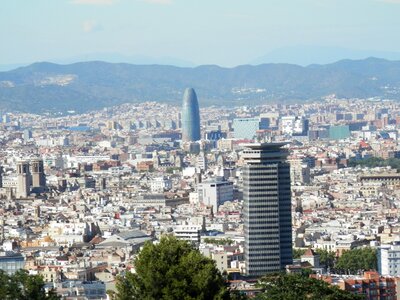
[
  {"x": 38, "y": 177},
  {"x": 23, "y": 179},
  {"x": 190, "y": 117},
  {"x": 267, "y": 208}
]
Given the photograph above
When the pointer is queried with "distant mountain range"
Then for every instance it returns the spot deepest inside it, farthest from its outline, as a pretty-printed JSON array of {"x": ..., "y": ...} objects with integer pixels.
[
  {"x": 46, "y": 87},
  {"x": 307, "y": 55}
]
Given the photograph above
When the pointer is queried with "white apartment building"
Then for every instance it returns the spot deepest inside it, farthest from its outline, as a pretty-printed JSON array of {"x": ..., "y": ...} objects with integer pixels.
[
  {"x": 214, "y": 193},
  {"x": 292, "y": 125},
  {"x": 389, "y": 259},
  {"x": 159, "y": 184},
  {"x": 189, "y": 233}
]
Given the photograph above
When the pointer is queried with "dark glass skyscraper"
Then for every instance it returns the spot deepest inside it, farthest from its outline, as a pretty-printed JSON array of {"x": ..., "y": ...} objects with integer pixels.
[
  {"x": 267, "y": 208},
  {"x": 190, "y": 117}
]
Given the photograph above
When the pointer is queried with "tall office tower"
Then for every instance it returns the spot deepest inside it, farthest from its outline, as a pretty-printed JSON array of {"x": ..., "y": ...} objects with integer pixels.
[
  {"x": 190, "y": 117},
  {"x": 23, "y": 179},
  {"x": 38, "y": 177},
  {"x": 1, "y": 176},
  {"x": 267, "y": 208}
]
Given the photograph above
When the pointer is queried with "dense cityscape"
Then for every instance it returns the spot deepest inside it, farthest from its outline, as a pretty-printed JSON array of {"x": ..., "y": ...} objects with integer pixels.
[
  {"x": 199, "y": 150},
  {"x": 82, "y": 194}
]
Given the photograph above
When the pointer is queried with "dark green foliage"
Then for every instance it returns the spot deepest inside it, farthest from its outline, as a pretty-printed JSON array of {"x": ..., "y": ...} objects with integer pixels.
[
  {"x": 100, "y": 84},
  {"x": 373, "y": 162},
  {"x": 326, "y": 258},
  {"x": 236, "y": 295},
  {"x": 171, "y": 270},
  {"x": 22, "y": 286},
  {"x": 356, "y": 260},
  {"x": 297, "y": 253},
  {"x": 295, "y": 287}
]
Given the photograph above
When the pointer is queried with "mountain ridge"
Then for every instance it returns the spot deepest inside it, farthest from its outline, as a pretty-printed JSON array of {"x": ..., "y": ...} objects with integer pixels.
[{"x": 82, "y": 86}]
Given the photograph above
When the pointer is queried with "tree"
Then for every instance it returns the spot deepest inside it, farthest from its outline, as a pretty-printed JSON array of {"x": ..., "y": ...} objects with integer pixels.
[
  {"x": 356, "y": 260},
  {"x": 172, "y": 269},
  {"x": 326, "y": 258},
  {"x": 236, "y": 295},
  {"x": 297, "y": 253},
  {"x": 22, "y": 286},
  {"x": 294, "y": 287},
  {"x": 373, "y": 162}
]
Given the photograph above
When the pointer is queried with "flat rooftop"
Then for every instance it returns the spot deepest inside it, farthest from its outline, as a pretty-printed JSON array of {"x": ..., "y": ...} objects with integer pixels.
[{"x": 259, "y": 146}]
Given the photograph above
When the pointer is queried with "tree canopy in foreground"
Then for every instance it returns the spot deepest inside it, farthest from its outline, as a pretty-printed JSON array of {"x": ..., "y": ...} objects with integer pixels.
[
  {"x": 296, "y": 286},
  {"x": 172, "y": 269},
  {"x": 22, "y": 286}
]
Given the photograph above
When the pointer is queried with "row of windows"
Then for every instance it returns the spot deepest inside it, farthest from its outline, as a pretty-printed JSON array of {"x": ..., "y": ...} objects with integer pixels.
[
  {"x": 259, "y": 192},
  {"x": 253, "y": 246},
  {"x": 266, "y": 221},
  {"x": 261, "y": 222},
  {"x": 253, "y": 227},
  {"x": 264, "y": 203},
  {"x": 263, "y": 186},
  {"x": 257, "y": 206},
  {"x": 263, "y": 262}
]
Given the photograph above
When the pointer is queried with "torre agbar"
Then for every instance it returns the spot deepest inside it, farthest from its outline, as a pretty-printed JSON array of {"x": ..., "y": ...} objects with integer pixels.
[{"x": 190, "y": 117}]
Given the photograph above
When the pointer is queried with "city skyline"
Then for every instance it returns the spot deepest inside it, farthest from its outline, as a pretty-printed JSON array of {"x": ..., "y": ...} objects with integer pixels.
[{"x": 187, "y": 149}]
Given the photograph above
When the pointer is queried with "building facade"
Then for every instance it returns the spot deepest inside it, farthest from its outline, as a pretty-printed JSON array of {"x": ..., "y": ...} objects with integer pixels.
[
  {"x": 389, "y": 260},
  {"x": 215, "y": 193},
  {"x": 38, "y": 176},
  {"x": 23, "y": 179},
  {"x": 10, "y": 262},
  {"x": 246, "y": 128},
  {"x": 267, "y": 208},
  {"x": 296, "y": 126}
]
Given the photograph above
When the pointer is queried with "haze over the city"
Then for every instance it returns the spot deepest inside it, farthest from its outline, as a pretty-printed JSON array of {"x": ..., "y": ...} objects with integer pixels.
[{"x": 187, "y": 33}]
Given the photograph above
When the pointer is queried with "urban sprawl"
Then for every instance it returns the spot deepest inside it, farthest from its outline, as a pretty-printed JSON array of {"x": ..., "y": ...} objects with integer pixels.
[{"x": 258, "y": 189}]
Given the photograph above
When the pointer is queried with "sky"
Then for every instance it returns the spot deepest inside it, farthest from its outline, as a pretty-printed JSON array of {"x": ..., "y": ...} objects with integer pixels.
[{"x": 222, "y": 32}]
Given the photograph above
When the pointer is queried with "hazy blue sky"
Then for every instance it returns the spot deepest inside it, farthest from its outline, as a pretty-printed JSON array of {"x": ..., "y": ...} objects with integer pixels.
[{"x": 224, "y": 32}]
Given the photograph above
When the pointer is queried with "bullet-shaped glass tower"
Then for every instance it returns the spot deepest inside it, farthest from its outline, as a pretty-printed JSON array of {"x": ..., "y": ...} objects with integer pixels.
[{"x": 190, "y": 117}]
